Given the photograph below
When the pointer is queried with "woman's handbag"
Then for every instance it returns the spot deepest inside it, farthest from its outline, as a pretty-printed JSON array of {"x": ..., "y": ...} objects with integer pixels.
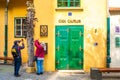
[{"x": 35, "y": 58}]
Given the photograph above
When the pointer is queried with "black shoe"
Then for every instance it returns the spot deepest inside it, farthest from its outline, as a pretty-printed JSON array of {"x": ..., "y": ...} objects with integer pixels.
[
  {"x": 17, "y": 75},
  {"x": 41, "y": 73},
  {"x": 38, "y": 73}
]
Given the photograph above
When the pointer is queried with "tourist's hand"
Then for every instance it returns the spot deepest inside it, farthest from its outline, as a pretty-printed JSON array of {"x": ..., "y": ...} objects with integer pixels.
[{"x": 22, "y": 41}]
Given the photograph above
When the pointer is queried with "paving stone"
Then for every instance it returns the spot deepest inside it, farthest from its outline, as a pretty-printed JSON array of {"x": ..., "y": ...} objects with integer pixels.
[{"x": 6, "y": 73}]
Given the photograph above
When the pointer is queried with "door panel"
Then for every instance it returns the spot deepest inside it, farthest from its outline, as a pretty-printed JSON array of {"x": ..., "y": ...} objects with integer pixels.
[
  {"x": 76, "y": 49},
  {"x": 62, "y": 48}
]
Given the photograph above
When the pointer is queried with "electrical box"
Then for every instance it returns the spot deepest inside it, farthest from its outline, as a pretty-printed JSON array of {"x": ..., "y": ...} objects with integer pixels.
[{"x": 46, "y": 48}]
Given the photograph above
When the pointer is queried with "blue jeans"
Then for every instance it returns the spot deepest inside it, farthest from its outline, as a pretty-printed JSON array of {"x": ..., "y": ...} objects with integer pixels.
[
  {"x": 40, "y": 66},
  {"x": 17, "y": 64}
]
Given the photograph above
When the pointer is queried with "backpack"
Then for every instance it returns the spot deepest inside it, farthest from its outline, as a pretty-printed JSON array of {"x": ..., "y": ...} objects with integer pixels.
[{"x": 14, "y": 52}]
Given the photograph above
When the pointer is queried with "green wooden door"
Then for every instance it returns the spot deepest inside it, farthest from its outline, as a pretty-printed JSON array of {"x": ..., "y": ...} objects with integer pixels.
[
  {"x": 76, "y": 48},
  {"x": 61, "y": 48},
  {"x": 69, "y": 47}
]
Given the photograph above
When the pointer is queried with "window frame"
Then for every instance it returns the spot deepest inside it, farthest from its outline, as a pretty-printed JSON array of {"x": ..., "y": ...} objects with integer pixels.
[
  {"x": 21, "y": 30},
  {"x": 68, "y": 4},
  {"x": 69, "y": 8},
  {"x": 117, "y": 41}
]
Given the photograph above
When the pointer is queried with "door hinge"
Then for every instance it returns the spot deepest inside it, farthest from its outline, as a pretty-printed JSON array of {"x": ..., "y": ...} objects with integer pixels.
[
  {"x": 80, "y": 48},
  {"x": 80, "y": 62},
  {"x": 58, "y": 34},
  {"x": 57, "y": 62},
  {"x": 68, "y": 30},
  {"x": 80, "y": 33},
  {"x": 58, "y": 48}
]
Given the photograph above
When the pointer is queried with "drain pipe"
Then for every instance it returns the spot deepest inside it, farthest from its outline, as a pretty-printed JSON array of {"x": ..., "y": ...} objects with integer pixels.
[
  {"x": 6, "y": 31},
  {"x": 108, "y": 58},
  {"x": 108, "y": 43}
]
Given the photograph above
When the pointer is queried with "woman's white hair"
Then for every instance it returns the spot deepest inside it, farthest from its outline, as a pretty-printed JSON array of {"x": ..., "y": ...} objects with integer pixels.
[{"x": 43, "y": 45}]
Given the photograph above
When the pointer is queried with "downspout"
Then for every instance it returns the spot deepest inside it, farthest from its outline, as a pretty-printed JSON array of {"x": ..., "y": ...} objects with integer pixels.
[
  {"x": 108, "y": 43},
  {"x": 108, "y": 60},
  {"x": 6, "y": 31}
]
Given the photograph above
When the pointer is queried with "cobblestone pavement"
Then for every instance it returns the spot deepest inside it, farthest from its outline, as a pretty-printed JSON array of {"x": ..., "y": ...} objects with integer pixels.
[{"x": 6, "y": 73}]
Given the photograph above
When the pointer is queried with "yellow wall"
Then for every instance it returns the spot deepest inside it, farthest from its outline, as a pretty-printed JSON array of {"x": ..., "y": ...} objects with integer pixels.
[
  {"x": 16, "y": 9},
  {"x": 95, "y": 18},
  {"x": 45, "y": 14},
  {"x": 2, "y": 16}
]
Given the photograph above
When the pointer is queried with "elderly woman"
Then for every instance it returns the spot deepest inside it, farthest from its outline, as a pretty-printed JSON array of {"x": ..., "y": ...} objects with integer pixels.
[{"x": 40, "y": 57}]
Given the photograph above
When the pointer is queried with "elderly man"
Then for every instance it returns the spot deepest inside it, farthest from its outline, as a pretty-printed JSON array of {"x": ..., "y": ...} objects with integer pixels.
[{"x": 17, "y": 57}]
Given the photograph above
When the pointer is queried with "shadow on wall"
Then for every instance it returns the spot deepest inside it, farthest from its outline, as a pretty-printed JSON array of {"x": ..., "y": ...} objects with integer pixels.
[{"x": 95, "y": 48}]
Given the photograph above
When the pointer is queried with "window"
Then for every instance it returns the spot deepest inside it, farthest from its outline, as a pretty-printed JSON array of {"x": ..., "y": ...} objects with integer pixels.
[
  {"x": 20, "y": 27},
  {"x": 68, "y": 3},
  {"x": 117, "y": 42}
]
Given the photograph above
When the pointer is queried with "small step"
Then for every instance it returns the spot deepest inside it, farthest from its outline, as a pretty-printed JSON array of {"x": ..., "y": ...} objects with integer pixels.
[{"x": 72, "y": 71}]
